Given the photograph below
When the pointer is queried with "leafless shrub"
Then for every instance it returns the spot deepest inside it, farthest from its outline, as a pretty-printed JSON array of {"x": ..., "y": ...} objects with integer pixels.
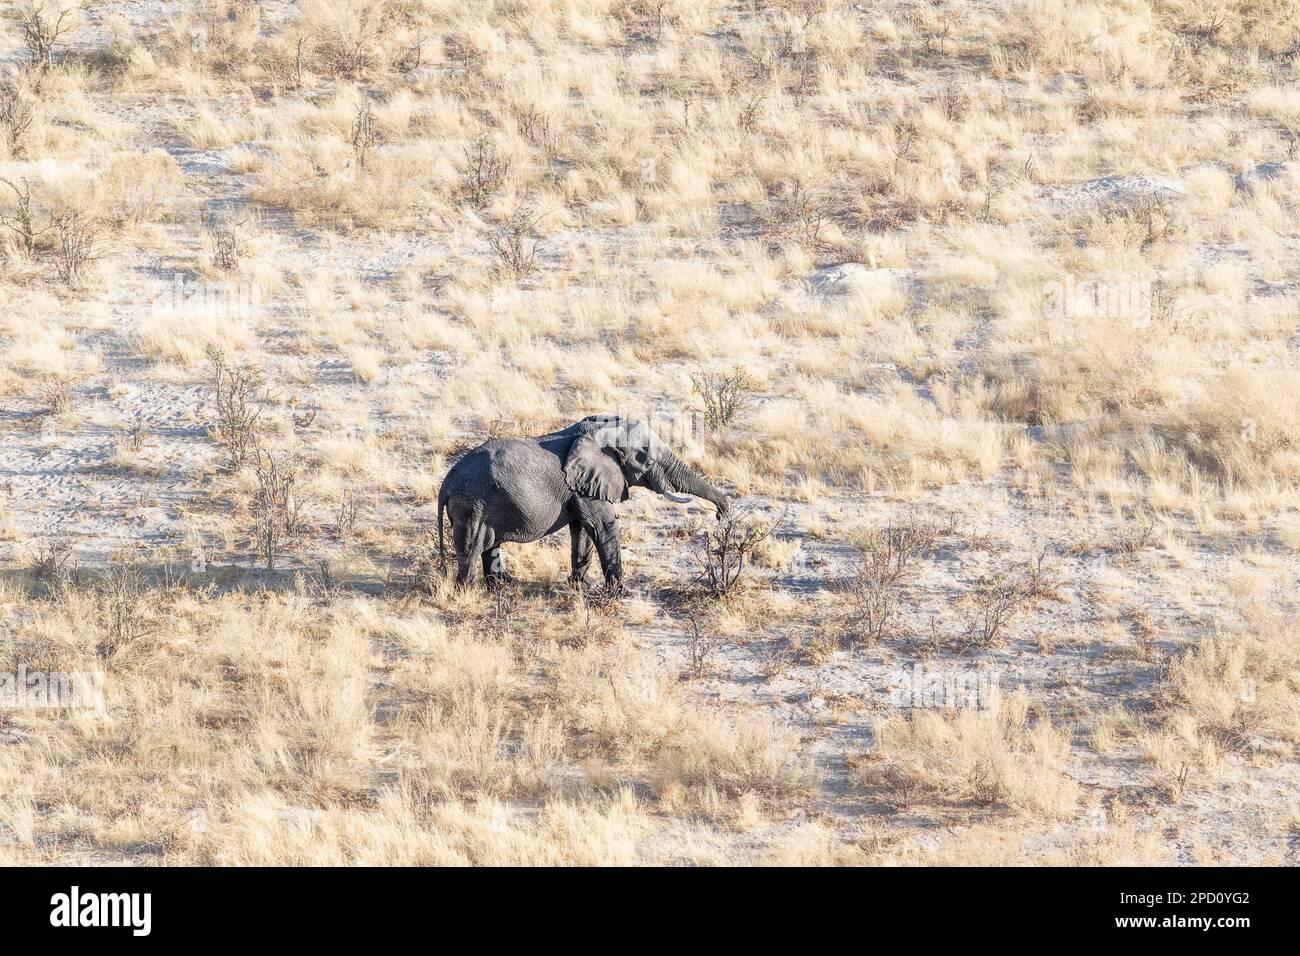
[
  {"x": 229, "y": 242},
  {"x": 1001, "y": 597},
  {"x": 484, "y": 173},
  {"x": 723, "y": 550},
  {"x": 702, "y": 646},
  {"x": 515, "y": 246},
  {"x": 43, "y": 24},
  {"x": 79, "y": 243},
  {"x": 275, "y": 510},
  {"x": 56, "y": 396},
  {"x": 345, "y": 525},
  {"x": 21, "y": 223},
  {"x": 1134, "y": 536},
  {"x": 237, "y": 389},
  {"x": 123, "y": 589},
  {"x": 886, "y": 561},
  {"x": 365, "y": 135},
  {"x": 137, "y": 433},
  {"x": 50, "y": 564},
  {"x": 15, "y": 115},
  {"x": 776, "y": 661},
  {"x": 537, "y": 128},
  {"x": 801, "y": 214},
  {"x": 722, "y": 394},
  {"x": 906, "y": 133},
  {"x": 349, "y": 51}
]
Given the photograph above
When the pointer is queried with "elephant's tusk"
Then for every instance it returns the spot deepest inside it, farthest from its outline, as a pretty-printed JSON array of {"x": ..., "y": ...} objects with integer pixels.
[{"x": 680, "y": 499}]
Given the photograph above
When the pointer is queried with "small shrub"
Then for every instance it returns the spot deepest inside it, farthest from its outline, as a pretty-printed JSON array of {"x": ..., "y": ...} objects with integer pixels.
[
  {"x": 123, "y": 588},
  {"x": 723, "y": 395},
  {"x": 50, "y": 564},
  {"x": 484, "y": 173},
  {"x": 365, "y": 135},
  {"x": 229, "y": 241},
  {"x": 723, "y": 550},
  {"x": 15, "y": 115},
  {"x": 515, "y": 246},
  {"x": 236, "y": 390},
  {"x": 1001, "y": 597},
  {"x": 43, "y": 24},
  {"x": 56, "y": 396},
  {"x": 79, "y": 243},
  {"x": 21, "y": 223},
  {"x": 275, "y": 509},
  {"x": 886, "y": 561}
]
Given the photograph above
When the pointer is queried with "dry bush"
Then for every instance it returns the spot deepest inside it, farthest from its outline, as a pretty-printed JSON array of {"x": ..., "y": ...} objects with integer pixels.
[
  {"x": 723, "y": 395},
  {"x": 485, "y": 172},
  {"x": 236, "y": 390},
  {"x": 229, "y": 240},
  {"x": 515, "y": 246},
  {"x": 722, "y": 551},
  {"x": 276, "y": 509},
  {"x": 365, "y": 135},
  {"x": 1245, "y": 428},
  {"x": 124, "y": 589},
  {"x": 1234, "y": 693},
  {"x": 22, "y": 224},
  {"x": 886, "y": 561},
  {"x": 79, "y": 242},
  {"x": 1000, "y": 598},
  {"x": 15, "y": 115},
  {"x": 44, "y": 23},
  {"x": 56, "y": 395},
  {"x": 998, "y": 758}
]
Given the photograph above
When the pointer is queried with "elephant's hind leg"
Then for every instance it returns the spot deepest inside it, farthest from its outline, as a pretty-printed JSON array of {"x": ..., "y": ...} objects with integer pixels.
[
  {"x": 460, "y": 544},
  {"x": 494, "y": 566},
  {"x": 472, "y": 538}
]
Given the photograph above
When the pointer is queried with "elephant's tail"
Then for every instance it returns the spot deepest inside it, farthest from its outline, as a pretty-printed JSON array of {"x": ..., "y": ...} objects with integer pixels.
[{"x": 442, "y": 554}]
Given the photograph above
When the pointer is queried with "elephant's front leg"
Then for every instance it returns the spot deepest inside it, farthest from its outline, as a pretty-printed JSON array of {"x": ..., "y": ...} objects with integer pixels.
[
  {"x": 601, "y": 525},
  {"x": 579, "y": 552}
]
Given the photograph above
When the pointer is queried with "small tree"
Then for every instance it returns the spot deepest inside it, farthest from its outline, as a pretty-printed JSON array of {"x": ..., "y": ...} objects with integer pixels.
[
  {"x": 21, "y": 223},
  {"x": 275, "y": 509},
  {"x": 237, "y": 389},
  {"x": 15, "y": 115},
  {"x": 723, "y": 550},
  {"x": 229, "y": 242},
  {"x": 43, "y": 24},
  {"x": 722, "y": 394},
  {"x": 885, "y": 563},
  {"x": 485, "y": 171}
]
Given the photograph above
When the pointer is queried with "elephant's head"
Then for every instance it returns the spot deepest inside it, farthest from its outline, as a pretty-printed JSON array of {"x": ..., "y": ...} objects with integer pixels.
[{"x": 612, "y": 454}]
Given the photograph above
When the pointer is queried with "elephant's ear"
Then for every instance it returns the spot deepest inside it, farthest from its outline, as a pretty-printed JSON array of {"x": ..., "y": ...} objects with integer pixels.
[{"x": 593, "y": 470}]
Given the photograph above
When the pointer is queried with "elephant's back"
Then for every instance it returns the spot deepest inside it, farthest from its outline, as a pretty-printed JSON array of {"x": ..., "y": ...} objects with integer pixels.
[{"x": 517, "y": 469}]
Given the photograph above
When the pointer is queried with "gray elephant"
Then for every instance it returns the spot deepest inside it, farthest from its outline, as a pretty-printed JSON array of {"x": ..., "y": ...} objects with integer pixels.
[{"x": 522, "y": 489}]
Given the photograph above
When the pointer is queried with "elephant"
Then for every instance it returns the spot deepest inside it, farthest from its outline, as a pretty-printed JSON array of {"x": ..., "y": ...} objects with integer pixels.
[{"x": 523, "y": 489}]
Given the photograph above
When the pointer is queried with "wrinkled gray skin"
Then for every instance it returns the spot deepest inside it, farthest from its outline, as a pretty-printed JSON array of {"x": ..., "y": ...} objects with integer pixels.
[{"x": 522, "y": 489}]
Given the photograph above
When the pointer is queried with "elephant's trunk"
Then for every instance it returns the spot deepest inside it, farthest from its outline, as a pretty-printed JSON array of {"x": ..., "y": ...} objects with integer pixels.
[{"x": 683, "y": 478}]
